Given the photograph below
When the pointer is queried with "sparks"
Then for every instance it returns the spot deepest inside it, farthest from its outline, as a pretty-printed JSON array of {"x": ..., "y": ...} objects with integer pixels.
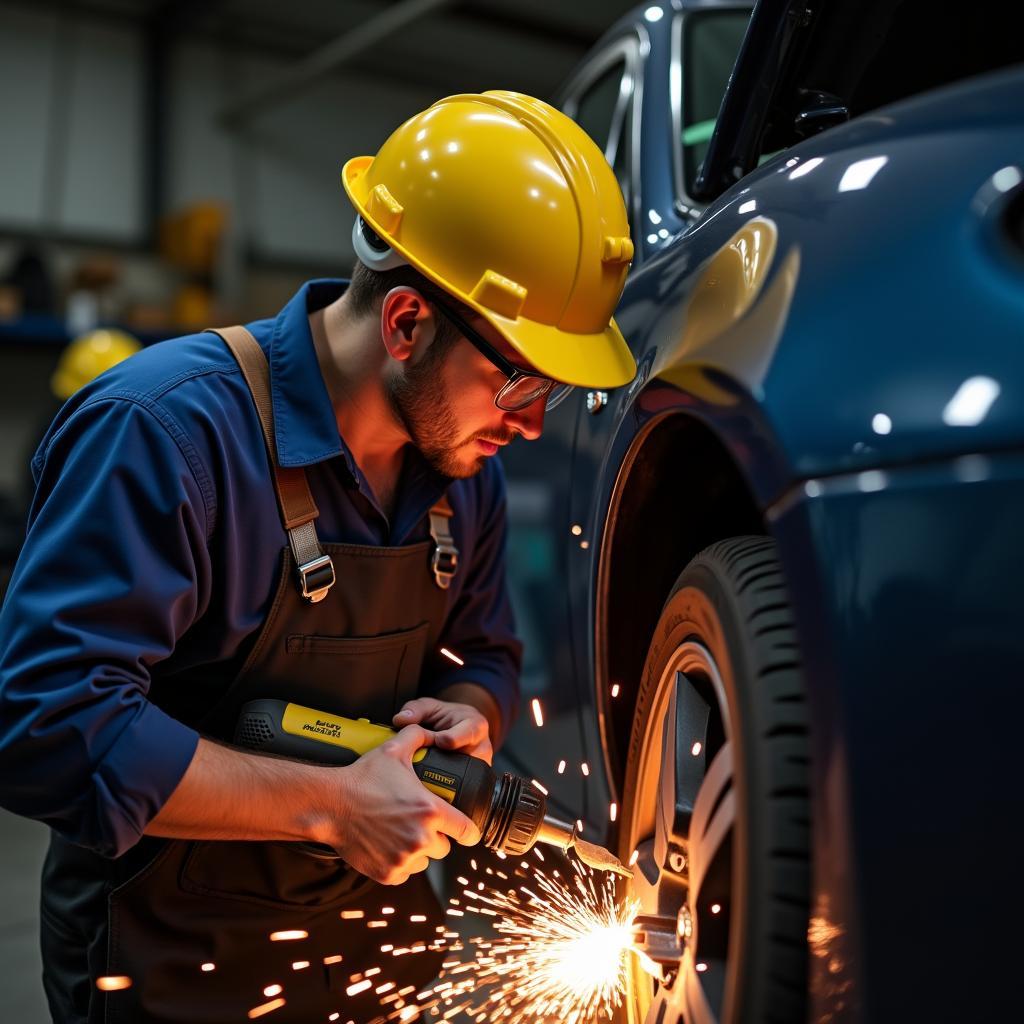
[
  {"x": 208, "y": 967},
  {"x": 259, "y": 1011},
  {"x": 560, "y": 954},
  {"x": 113, "y": 983},
  {"x": 538, "y": 714},
  {"x": 537, "y": 785},
  {"x": 561, "y": 767},
  {"x": 272, "y": 990},
  {"x": 289, "y": 936},
  {"x": 613, "y": 811},
  {"x": 451, "y": 656},
  {"x": 615, "y": 690},
  {"x": 585, "y": 768}
]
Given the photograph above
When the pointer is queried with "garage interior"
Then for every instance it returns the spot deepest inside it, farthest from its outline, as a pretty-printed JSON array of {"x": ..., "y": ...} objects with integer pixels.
[{"x": 168, "y": 164}]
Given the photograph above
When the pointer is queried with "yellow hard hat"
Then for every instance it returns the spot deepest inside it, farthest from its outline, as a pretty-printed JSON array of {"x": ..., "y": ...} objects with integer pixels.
[
  {"x": 508, "y": 205},
  {"x": 88, "y": 356}
]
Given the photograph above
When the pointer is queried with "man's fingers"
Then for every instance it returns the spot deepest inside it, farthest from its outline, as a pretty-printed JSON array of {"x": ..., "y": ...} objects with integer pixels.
[
  {"x": 455, "y": 824},
  {"x": 417, "y": 864},
  {"x": 416, "y": 710},
  {"x": 463, "y": 734},
  {"x": 439, "y": 848}
]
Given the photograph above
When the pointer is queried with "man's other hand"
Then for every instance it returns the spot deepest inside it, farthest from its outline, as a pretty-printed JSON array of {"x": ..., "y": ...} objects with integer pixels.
[{"x": 455, "y": 726}]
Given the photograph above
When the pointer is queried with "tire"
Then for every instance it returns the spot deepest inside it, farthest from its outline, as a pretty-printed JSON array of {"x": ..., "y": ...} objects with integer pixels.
[{"x": 715, "y": 803}]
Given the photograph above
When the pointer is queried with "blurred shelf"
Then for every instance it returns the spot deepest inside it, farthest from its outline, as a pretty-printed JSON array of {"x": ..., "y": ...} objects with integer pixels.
[{"x": 35, "y": 329}]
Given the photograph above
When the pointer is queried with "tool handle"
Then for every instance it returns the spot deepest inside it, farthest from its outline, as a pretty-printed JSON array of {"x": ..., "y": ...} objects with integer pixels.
[{"x": 291, "y": 730}]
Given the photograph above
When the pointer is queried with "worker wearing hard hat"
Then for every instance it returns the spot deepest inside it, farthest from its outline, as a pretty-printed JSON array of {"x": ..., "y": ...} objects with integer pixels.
[
  {"x": 306, "y": 509},
  {"x": 88, "y": 356}
]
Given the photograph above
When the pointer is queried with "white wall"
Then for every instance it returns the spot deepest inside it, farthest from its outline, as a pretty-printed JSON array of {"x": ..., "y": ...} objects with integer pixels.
[
  {"x": 70, "y": 125},
  {"x": 72, "y": 156}
]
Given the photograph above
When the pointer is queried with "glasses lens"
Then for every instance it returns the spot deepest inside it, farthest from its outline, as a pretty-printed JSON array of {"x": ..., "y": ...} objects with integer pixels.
[
  {"x": 523, "y": 391},
  {"x": 557, "y": 395}
]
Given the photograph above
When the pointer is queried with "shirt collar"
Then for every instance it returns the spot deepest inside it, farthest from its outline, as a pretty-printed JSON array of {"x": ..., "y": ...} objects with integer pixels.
[
  {"x": 304, "y": 422},
  {"x": 305, "y": 425}
]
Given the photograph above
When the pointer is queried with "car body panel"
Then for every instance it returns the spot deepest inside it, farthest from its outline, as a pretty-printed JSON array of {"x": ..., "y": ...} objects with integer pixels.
[
  {"x": 845, "y": 323},
  {"x": 908, "y": 608}
]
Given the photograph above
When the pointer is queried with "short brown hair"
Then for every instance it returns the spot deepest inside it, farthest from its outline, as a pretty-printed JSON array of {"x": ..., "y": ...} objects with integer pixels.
[{"x": 368, "y": 288}]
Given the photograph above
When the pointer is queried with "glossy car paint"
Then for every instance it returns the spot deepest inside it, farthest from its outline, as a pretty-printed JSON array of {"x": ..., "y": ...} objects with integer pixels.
[{"x": 863, "y": 373}]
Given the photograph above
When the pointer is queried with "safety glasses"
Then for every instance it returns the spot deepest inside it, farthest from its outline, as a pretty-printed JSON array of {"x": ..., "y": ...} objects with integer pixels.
[{"x": 523, "y": 388}]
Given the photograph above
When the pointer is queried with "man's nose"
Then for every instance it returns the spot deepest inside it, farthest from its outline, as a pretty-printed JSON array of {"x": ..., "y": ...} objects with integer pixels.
[{"x": 529, "y": 421}]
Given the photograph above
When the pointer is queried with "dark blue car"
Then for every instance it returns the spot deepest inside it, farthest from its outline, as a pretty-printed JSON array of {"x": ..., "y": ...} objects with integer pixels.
[{"x": 793, "y": 543}]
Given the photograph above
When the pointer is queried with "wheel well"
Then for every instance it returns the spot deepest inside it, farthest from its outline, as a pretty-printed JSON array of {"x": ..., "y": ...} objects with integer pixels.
[{"x": 679, "y": 490}]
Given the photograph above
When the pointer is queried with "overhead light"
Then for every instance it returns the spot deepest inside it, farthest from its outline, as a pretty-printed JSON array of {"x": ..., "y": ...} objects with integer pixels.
[
  {"x": 654, "y": 14},
  {"x": 881, "y": 424},
  {"x": 860, "y": 174}
]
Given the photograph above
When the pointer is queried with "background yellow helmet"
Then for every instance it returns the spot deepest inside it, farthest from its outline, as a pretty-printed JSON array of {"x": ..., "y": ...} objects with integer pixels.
[
  {"x": 88, "y": 356},
  {"x": 509, "y": 206}
]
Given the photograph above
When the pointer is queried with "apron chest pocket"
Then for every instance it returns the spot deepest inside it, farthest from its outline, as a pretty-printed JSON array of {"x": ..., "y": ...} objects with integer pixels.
[{"x": 361, "y": 677}]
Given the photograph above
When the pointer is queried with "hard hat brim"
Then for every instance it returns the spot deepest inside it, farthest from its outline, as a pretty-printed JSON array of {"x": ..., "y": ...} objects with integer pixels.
[{"x": 601, "y": 360}]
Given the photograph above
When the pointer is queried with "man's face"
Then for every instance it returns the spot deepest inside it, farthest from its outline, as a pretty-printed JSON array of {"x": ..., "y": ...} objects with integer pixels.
[{"x": 445, "y": 399}]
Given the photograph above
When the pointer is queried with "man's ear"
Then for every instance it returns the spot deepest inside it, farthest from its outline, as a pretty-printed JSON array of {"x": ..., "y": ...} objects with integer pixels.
[{"x": 406, "y": 322}]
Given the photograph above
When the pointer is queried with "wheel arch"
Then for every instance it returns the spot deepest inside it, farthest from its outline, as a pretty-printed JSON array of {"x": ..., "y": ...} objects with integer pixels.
[{"x": 658, "y": 518}]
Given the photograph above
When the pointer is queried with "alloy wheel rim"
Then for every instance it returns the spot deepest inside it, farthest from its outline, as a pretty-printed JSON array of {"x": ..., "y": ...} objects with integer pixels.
[{"x": 681, "y": 826}]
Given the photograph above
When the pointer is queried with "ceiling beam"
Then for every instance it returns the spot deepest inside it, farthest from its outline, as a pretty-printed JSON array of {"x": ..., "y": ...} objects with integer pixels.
[{"x": 328, "y": 58}]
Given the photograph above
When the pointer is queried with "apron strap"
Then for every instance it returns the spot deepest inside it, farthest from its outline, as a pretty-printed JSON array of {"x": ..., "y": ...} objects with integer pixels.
[
  {"x": 446, "y": 555},
  {"x": 294, "y": 499}
]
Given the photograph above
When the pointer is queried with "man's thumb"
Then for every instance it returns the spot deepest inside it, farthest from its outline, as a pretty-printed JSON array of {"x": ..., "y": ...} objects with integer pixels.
[{"x": 408, "y": 740}]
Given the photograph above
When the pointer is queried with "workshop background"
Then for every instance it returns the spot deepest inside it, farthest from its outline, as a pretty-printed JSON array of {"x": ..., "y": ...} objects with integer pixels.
[{"x": 166, "y": 165}]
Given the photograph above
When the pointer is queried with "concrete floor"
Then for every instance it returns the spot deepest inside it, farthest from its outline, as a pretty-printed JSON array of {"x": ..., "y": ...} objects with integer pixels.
[{"x": 23, "y": 843}]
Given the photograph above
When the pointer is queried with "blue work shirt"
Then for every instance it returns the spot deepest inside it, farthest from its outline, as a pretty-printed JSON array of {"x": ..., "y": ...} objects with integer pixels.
[{"x": 152, "y": 552}]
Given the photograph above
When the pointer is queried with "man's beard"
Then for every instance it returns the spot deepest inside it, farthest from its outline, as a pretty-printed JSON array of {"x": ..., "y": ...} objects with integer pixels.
[{"x": 420, "y": 400}]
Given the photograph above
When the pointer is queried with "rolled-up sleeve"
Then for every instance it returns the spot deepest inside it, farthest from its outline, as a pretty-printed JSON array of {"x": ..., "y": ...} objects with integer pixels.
[
  {"x": 113, "y": 571},
  {"x": 480, "y": 629}
]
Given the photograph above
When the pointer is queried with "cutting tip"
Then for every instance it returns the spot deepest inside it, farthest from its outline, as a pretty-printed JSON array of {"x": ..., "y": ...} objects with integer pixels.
[{"x": 598, "y": 857}]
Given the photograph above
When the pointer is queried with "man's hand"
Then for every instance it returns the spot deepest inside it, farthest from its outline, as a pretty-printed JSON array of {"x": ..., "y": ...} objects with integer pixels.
[
  {"x": 392, "y": 824},
  {"x": 455, "y": 726}
]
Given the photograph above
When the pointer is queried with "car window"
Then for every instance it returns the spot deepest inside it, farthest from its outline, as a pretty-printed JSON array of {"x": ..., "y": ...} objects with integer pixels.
[
  {"x": 621, "y": 156},
  {"x": 595, "y": 111},
  {"x": 711, "y": 41}
]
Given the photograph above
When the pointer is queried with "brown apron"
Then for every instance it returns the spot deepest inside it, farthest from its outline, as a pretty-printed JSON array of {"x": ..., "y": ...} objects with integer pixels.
[{"x": 347, "y": 633}]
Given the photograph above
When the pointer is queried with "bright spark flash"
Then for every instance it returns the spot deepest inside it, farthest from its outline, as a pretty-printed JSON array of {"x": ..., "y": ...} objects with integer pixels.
[{"x": 560, "y": 953}]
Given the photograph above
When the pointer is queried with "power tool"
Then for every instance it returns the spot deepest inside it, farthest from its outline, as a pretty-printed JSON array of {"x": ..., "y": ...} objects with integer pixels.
[{"x": 508, "y": 810}]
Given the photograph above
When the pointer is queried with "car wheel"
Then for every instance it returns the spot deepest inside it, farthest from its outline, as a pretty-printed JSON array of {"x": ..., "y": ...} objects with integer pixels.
[{"x": 715, "y": 805}]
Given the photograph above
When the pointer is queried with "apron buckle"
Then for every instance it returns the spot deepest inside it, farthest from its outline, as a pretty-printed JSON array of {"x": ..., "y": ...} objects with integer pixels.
[
  {"x": 316, "y": 577},
  {"x": 444, "y": 563}
]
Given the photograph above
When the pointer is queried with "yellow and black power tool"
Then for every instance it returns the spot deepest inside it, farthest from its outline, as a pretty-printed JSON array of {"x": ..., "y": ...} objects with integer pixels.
[{"x": 508, "y": 810}]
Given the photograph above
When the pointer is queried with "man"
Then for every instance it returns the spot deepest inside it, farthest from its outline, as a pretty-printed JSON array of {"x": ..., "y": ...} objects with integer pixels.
[{"x": 308, "y": 510}]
